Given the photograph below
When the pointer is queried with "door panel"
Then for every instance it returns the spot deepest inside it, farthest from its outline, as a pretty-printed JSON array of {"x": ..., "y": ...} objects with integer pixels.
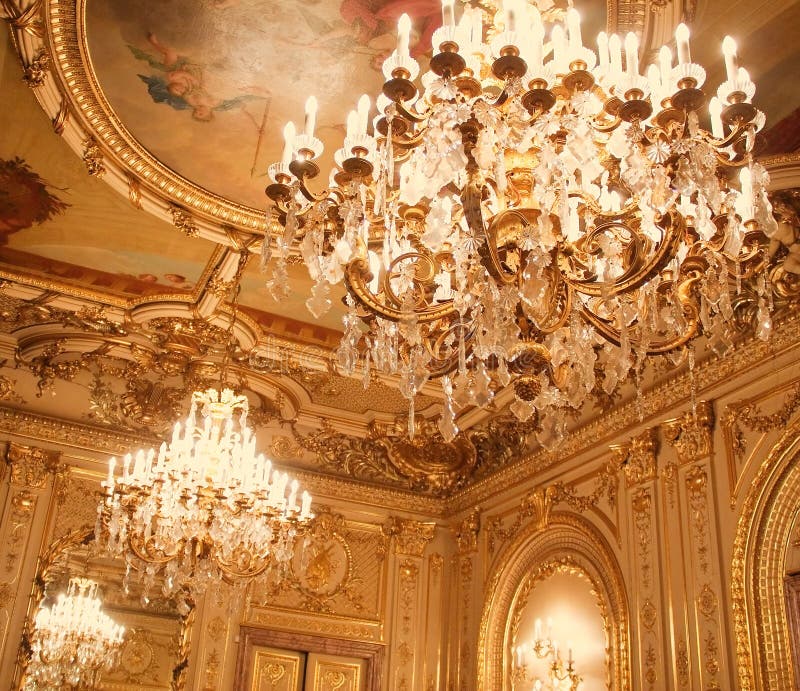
[
  {"x": 334, "y": 673},
  {"x": 277, "y": 670}
]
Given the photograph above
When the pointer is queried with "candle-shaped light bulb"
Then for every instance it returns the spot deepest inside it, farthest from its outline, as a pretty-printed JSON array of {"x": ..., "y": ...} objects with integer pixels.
[
  {"x": 715, "y": 111},
  {"x": 665, "y": 66},
  {"x": 476, "y": 28},
  {"x": 654, "y": 80},
  {"x": 558, "y": 40},
  {"x": 602, "y": 49},
  {"x": 535, "y": 38},
  {"x": 448, "y": 13},
  {"x": 311, "y": 115},
  {"x": 289, "y": 133},
  {"x": 615, "y": 54},
  {"x": 632, "y": 54},
  {"x": 352, "y": 124},
  {"x": 682, "y": 40},
  {"x": 363, "y": 113},
  {"x": 403, "y": 35},
  {"x": 111, "y": 465},
  {"x": 510, "y": 9},
  {"x": 537, "y": 630},
  {"x": 305, "y": 509},
  {"x": 574, "y": 27},
  {"x": 729, "y": 51},
  {"x": 570, "y": 660}
]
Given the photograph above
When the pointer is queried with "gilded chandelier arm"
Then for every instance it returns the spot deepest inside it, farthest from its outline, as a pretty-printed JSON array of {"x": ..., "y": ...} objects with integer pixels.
[
  {"x": 638, "y": 273},
  {"x": 357, "y": 275},
  {"x": 693, "y": 270}
]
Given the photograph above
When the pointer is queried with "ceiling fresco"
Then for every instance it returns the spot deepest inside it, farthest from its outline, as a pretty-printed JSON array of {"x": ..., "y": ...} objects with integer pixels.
[
  {"x": 57, "y": 221},
  {"x": 209, "y": 96}
]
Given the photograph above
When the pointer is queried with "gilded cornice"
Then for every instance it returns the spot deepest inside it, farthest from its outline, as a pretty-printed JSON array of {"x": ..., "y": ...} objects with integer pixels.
[
  {"x": 651, "y": 404},
  {"x": 14, "y": 423}
]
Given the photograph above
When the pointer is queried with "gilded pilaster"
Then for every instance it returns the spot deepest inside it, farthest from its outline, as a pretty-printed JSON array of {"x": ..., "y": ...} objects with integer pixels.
[
  {"x": 691, "y": 436},
  {"x": 406, "y": 658},
  {"x": 28, "y": 485},
  {"x": 466, "y": 604},
  {"x": 214, "y": 632},
  {"x": 639, "y": 461}
]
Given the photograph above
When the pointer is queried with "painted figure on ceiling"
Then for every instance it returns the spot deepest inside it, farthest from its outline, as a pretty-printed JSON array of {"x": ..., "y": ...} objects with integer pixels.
[
  {"x": 179, "y": 83},
  {"x": 364, "y": 21},
  {"x": 25, "y": 199}
]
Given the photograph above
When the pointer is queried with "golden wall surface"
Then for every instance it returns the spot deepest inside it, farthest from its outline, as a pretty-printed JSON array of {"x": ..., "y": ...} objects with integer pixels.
[{"x": 682, "y": 515}]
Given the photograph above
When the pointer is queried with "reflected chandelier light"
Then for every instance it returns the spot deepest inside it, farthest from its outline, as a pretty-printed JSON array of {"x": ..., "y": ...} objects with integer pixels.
[
  {"x": 560, "y": 676},
  {"x": 530, "y": 211},
  {"x": 205, "y": 507},
  {"x": 73, "y": 641}
]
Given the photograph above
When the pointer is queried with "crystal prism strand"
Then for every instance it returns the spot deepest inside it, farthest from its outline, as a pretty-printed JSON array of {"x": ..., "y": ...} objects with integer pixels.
[
  {"x": 522, "y": 409},
  {"x": 278, "y": 284},
  {"x": 390, "y": 112},
  {"x": 764, "y": 217},
  {"x": 764, "y": 320},
  {"x": 266, "y": 242},
  {"x": 412, "y": 426},
  {"x": 347, "y": 353},
  {"x": 481, "y": 394},
  {"x": 447, "y": 422},
  {"x": 319, "y": 303},
  {"x": 365, "y": 379}
]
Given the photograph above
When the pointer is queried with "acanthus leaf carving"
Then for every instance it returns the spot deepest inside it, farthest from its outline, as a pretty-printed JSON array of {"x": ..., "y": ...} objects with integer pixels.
[{"x": 691, "y": 434}]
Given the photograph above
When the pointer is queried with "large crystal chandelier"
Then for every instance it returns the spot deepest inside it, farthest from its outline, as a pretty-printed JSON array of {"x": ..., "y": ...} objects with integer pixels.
[
  {"x": 73, "y": 641},
  {"x": 532, "y": 211},
  {"x": 205, "y": 507}
]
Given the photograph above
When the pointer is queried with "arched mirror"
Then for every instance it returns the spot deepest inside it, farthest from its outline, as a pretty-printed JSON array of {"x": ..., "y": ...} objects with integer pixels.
[{"x": 155, "y": 645}]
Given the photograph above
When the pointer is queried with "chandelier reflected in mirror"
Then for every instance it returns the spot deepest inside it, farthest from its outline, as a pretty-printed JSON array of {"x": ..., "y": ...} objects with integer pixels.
[
  {"x": 204, "y": 508},
  {"x": 73, "y": 641},
  {"x": 531, "y": 211}
]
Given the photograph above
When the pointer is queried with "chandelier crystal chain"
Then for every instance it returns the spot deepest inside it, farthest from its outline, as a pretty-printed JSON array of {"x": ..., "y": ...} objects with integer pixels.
[{"x": 530, "y": 210}]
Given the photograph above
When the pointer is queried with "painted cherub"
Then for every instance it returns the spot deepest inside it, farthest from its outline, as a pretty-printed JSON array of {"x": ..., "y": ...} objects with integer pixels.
[{"x": 181, "y": 84}]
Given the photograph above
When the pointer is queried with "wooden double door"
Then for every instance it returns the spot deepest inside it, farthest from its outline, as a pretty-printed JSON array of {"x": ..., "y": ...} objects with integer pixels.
[{"x": 281, "y": 661}]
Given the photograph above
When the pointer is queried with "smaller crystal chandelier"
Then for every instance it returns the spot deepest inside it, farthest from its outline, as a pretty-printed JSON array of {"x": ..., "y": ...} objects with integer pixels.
[
  {"x": 206, "y": 507},
  {"x": 73, "y": 641}
]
